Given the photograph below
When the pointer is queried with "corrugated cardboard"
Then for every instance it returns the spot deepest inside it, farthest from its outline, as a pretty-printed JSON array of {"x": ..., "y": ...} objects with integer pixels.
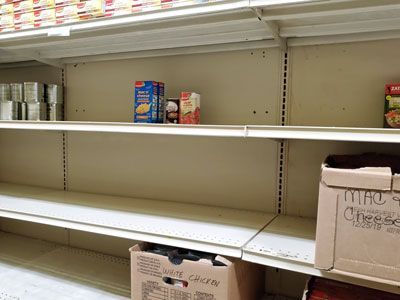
[
  {"x": 358, "y": 227},
  {"x": 239, "y": 280}
]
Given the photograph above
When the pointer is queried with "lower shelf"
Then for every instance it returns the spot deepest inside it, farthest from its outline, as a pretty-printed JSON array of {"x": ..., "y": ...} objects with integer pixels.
[
  {"x": 36, "y": 270},
  {"x": 210, "y": 229},
  {"x": 289, "y": 243}
]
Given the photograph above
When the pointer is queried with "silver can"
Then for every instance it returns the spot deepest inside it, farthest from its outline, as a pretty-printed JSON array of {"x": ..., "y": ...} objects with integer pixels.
[
  {"x": 17, "y": 92},
  {"x": 22, "y": 111},
  {"x": 8, "y": 110},
  {"x": 5, "y": 92},
  {"x": 55, "y": 111},
  {"x": 33, "y": 92},
  {"x": 55, "y": 93},
  {"x": 36, "y": 111}
]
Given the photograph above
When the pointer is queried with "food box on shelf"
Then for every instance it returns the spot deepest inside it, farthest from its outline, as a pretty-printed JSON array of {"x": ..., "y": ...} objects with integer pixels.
[
  {"x": 189, "y": 110},
  {"x": 148, "y": 5},
  {"x": 45, "y": 17},
  {"x": 6, "y": 22},
  {"x": 2, "y": 2},
  {"x": 161, "y": 102},
  {"x": 392, "y": 106},
  {"x": 23, "y": 6},
  {"x": 7, "y": 8},
  {"x": 43, "y": 4},
  {"x": 157, "y": 276},
  {"x": 67, "y": 14},
  {"x": 358, "y": 224},
  {"x": 179, "y": 3},
  {"x": 146, "y": 102},
  {"x": 60, "y": 3},
  {"x": 121, "y": 7},
  {"x": 91, "y": 9},
  {"x": 24, "y": 20}
]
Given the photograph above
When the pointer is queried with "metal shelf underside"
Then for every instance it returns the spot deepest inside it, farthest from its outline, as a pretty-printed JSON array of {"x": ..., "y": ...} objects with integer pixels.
[
  {"x": 377, "y": 135},
  {"x": 36, "y": 270},
  {"x": 218, "y": 26},
  {"x": 211, "y": 229}
]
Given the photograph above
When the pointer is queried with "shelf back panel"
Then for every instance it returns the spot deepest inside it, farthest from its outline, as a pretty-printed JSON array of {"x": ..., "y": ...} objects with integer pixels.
[{"x": 335, "y": 85}]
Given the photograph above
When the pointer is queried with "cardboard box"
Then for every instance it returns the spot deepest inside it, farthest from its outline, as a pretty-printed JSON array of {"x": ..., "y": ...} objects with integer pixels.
[
  {"x": 45, "y": 17},
  {"x": 91, "y": 8},
  {"x": 122, "y": 7},
  {"x": 60, "y": 3},
  {"x": 189, "y": 110},
  {"x": 238, "y": 280},
  {"x": 7, "y": 8},
  {"x": 146, "y": 102},
  {"x": 23, "y": 6},
  {"x": 24, "y": 20},
  {"x": 67, "y": 14},
  {"x": 6, "y": 22},
  {"x": 43, "y": 4},
  {"x": 358, "y": 226},
  {"x": 392, "y": 106},
  {"x": 161, "y": 102}
]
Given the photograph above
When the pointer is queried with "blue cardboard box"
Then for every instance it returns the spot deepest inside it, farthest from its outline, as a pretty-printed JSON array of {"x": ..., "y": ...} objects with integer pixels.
[
  {"x": 161, "y": 102},
  {"x": 146, "y": 102}
]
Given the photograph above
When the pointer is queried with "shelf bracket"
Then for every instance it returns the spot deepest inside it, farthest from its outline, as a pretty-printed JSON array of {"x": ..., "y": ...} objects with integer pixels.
[
  {"x": 35, "y": 55},
  {"x": 273, "y": 27}
]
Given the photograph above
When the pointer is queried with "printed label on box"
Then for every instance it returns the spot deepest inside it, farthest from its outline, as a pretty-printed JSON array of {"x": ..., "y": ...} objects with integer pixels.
[
  {"x": 146, "y": 102},
  {"x": 189, "y": 108}
]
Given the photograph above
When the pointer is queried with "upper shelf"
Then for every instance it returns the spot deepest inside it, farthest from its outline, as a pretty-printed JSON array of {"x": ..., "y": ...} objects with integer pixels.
[
  {"x": 215, "y": 26},
  {"x": 376, "y": 135}
]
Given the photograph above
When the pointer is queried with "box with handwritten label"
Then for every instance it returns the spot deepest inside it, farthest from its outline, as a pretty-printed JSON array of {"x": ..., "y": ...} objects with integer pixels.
[
  {"x": 358, "y": 224},
  {"x": 163, "y": 272}
]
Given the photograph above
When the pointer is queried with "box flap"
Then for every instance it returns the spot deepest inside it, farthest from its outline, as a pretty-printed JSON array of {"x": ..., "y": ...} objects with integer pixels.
[
  {"x": 371, "y": 178},
  {"x": 139, "y": 247},
  {"x": 326, "y": 228},
  {"x": 396, "y": 183}
]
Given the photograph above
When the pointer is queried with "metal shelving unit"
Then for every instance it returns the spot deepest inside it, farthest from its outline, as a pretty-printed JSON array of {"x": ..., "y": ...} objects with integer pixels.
[{"x": 262, "y": 236}]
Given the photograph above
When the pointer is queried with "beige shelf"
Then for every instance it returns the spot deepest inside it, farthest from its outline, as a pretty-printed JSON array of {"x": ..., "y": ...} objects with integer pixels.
[
  {"x": 31, "y": 269},
  {"x": 345, "y": 134},
  {"x": 289, "y": 243},
  {"x": 211, "y": 229}
]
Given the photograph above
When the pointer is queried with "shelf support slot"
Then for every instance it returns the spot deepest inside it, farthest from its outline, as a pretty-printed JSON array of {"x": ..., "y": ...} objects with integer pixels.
[{"x": 273, "y": 27}]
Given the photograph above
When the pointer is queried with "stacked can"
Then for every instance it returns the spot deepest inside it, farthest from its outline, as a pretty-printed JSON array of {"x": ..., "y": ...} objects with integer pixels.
[
  {"x": 17, "y": 97},
  {"x": 8, "y": 108},
  {"x": 34, "y": 96},
  {"x": 55, "y": 102}
]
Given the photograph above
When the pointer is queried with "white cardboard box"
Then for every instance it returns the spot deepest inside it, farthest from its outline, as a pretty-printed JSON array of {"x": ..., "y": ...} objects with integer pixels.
[
  {"x": 358, "y": 226},
  {"x": 239, "y": 280}
]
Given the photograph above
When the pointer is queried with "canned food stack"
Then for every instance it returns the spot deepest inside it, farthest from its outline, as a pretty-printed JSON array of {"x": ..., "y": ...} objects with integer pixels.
[
  {"x": 17, "y": 97},
  {"x": 55, "y": 102},
  {"x": 8, "y": 108},
  {"x": 34, "y": 96}
]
